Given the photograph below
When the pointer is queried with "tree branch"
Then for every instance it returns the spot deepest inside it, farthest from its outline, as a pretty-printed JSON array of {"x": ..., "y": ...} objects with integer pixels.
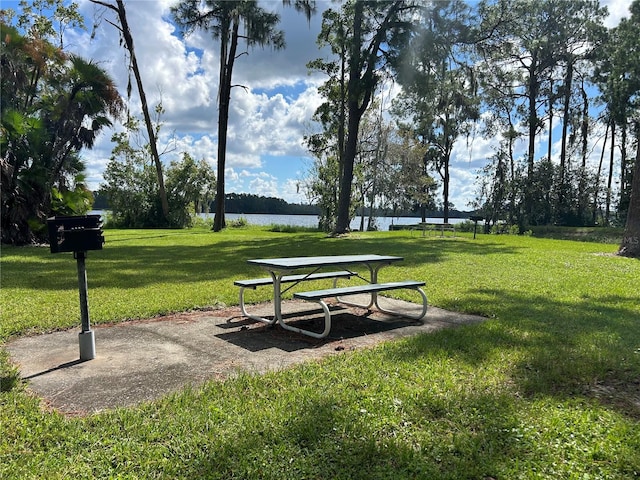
[{"x": 105, "y": 4}]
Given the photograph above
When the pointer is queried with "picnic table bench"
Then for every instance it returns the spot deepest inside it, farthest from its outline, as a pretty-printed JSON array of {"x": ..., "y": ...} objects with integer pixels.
[
  {"x": 253, "y": 283},
  {"x": 320, "y": 295}
]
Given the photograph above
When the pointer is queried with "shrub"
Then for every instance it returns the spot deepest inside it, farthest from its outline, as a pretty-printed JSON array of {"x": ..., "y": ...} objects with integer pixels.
[
  {"x": 240, "y": 222},
  {"x": 291, "y": 229}
]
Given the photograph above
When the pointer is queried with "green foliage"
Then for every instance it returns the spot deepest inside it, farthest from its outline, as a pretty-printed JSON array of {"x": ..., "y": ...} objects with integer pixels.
[
  {"x": 190, "y": 186},
  {"x": 467, "y": 226},
  {"x": 608, "y": 235},
  {"x": 408, "y": 184},
  {"x": 48, "y": 19},
  {"x": 239, "y": 222},
  {"x": 72, "y": 202},
  {"x": 354, "y": 34},
  {"x": 545, "y": 388},
  {"x": 249, "y": 203},
  {"x": 290, "y": 229},
  {"x": 53, "y": 106},
  {"x": 197, "y": 222},
  {"x": 323, "y": 190},
  {"x": 131, "y": 186},
  {"x": 627, "y": 72},
  {"x": 537, "y": 66},
  {"x": 439, "y": 101}
]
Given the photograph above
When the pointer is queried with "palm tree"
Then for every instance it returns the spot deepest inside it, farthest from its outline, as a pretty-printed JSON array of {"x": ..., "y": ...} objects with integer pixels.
[
  {"x": 46, "y": 121},
  {"x": 88, "y": 94}
]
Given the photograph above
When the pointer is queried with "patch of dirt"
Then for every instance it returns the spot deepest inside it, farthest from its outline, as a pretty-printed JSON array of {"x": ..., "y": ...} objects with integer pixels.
[{"x": 624, "y": 396}]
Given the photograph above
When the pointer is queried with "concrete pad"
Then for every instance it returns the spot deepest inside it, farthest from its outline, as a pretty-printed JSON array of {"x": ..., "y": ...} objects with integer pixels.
[{"x": 142, "y": 360}]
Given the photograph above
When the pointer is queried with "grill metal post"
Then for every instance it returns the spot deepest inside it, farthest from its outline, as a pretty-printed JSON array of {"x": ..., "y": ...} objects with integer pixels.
[
  {"x": 78, "y": 234},
  {"x": 85, "y": 337},
  {"x": 475, "y": 219}
]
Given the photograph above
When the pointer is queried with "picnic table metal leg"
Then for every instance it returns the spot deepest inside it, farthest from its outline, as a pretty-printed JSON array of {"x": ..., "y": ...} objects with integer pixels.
[
  {"x": 402, "y": 314},
  {"x": 277, "y": 296},
  {"x": 257, "y": 318},
  {"x": 327, "y": 324},
  {"x": 373, "y": 276},
  {"x": 277, "y": 305}
]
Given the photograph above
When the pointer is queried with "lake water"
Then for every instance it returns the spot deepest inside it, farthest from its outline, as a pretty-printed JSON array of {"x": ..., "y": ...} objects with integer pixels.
[{"x": 312, "y": 220}]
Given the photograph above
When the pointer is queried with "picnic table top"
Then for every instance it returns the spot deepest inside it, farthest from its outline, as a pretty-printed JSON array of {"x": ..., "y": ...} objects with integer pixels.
[{"x": 290, "y": 263}]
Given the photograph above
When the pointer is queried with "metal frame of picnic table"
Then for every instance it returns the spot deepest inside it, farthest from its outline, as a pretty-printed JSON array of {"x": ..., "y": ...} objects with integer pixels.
[{"x": 278, "y": 267}]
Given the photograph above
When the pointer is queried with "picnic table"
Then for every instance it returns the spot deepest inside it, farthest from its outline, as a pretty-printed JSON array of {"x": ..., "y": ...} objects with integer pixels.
[
  {"x": 435, "y": 228},
  {"x": 287, "y": 270}
]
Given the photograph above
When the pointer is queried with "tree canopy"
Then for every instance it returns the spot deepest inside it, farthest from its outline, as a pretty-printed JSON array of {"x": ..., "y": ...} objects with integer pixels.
[{"x": 53, "y": 106}]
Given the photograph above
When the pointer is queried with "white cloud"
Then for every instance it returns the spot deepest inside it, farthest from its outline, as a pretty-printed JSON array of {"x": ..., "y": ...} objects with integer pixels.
[
  {"x": 267, "y": 185},
  {"x": 462, "y": 188},
  {"x": 617, "y": 10},
  {"x": 231, "y": 175},
  {"x": 183, "y": 74}
]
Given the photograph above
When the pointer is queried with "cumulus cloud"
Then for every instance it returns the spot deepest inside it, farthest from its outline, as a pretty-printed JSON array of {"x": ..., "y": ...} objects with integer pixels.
[
  {"x": 618, "y": 9},
  {"x": 463, "y": 187},
  {"x": 270, "y": 109}
]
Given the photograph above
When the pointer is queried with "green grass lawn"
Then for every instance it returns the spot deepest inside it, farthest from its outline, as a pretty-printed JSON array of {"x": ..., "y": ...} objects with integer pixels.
[{"x": 548, "y": 387}]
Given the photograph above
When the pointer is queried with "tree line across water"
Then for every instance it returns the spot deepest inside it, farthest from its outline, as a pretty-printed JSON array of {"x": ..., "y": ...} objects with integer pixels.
[{"x": 258, "y": 204}]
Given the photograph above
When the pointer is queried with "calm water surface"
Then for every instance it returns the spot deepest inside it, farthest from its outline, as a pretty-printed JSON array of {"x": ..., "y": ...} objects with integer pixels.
[
  {"x": 312, "y": 220},
  {"x": 383, "y": 223}
]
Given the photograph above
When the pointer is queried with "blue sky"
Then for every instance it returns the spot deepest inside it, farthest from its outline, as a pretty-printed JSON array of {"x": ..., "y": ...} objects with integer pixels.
[{"x": 268, "y": 118}]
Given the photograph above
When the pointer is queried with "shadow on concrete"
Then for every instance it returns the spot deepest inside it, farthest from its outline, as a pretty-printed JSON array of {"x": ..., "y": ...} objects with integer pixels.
[
  {"x": 344, "y": 325},
  {"x": 53, "y": 369}
]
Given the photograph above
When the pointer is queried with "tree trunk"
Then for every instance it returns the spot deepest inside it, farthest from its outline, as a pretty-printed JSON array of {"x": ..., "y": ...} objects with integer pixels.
[
  {"x": 630, "y": 246},
  {"x": 353, "y": 110},
  {"x": 343, "y": 108},
  {"x": 372, "y": 200},
  {"x": 550, "y": 138},
  {"x": 565, "y": 128},
  {"x": 610, "y": 179},
  {"x": 625, "y": 183},
  {"x": 584, "y": 130},
  {"x": 597, "y": 180},
  {"x": 372, "y": 196},
  {"x": 145, "y": 109},
  {"x": 513, "y": 213},
  {"x": 227, "y": 59},
  {"x": 533, "y": 123},
  {"x": 344, "y": 198},
  {"x": 360, "y": 87},
  {"x": 445, "y": 193}
]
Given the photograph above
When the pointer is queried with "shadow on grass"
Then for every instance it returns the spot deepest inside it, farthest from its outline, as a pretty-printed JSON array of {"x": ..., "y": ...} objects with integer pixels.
[
  {"x": 321, "y": 440},
  {"x": 587, "y": 348},
  {"x": 127, "y": 266},
  {"x": 9, "y": 374},
  {"x": 569, "y": 351}
]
